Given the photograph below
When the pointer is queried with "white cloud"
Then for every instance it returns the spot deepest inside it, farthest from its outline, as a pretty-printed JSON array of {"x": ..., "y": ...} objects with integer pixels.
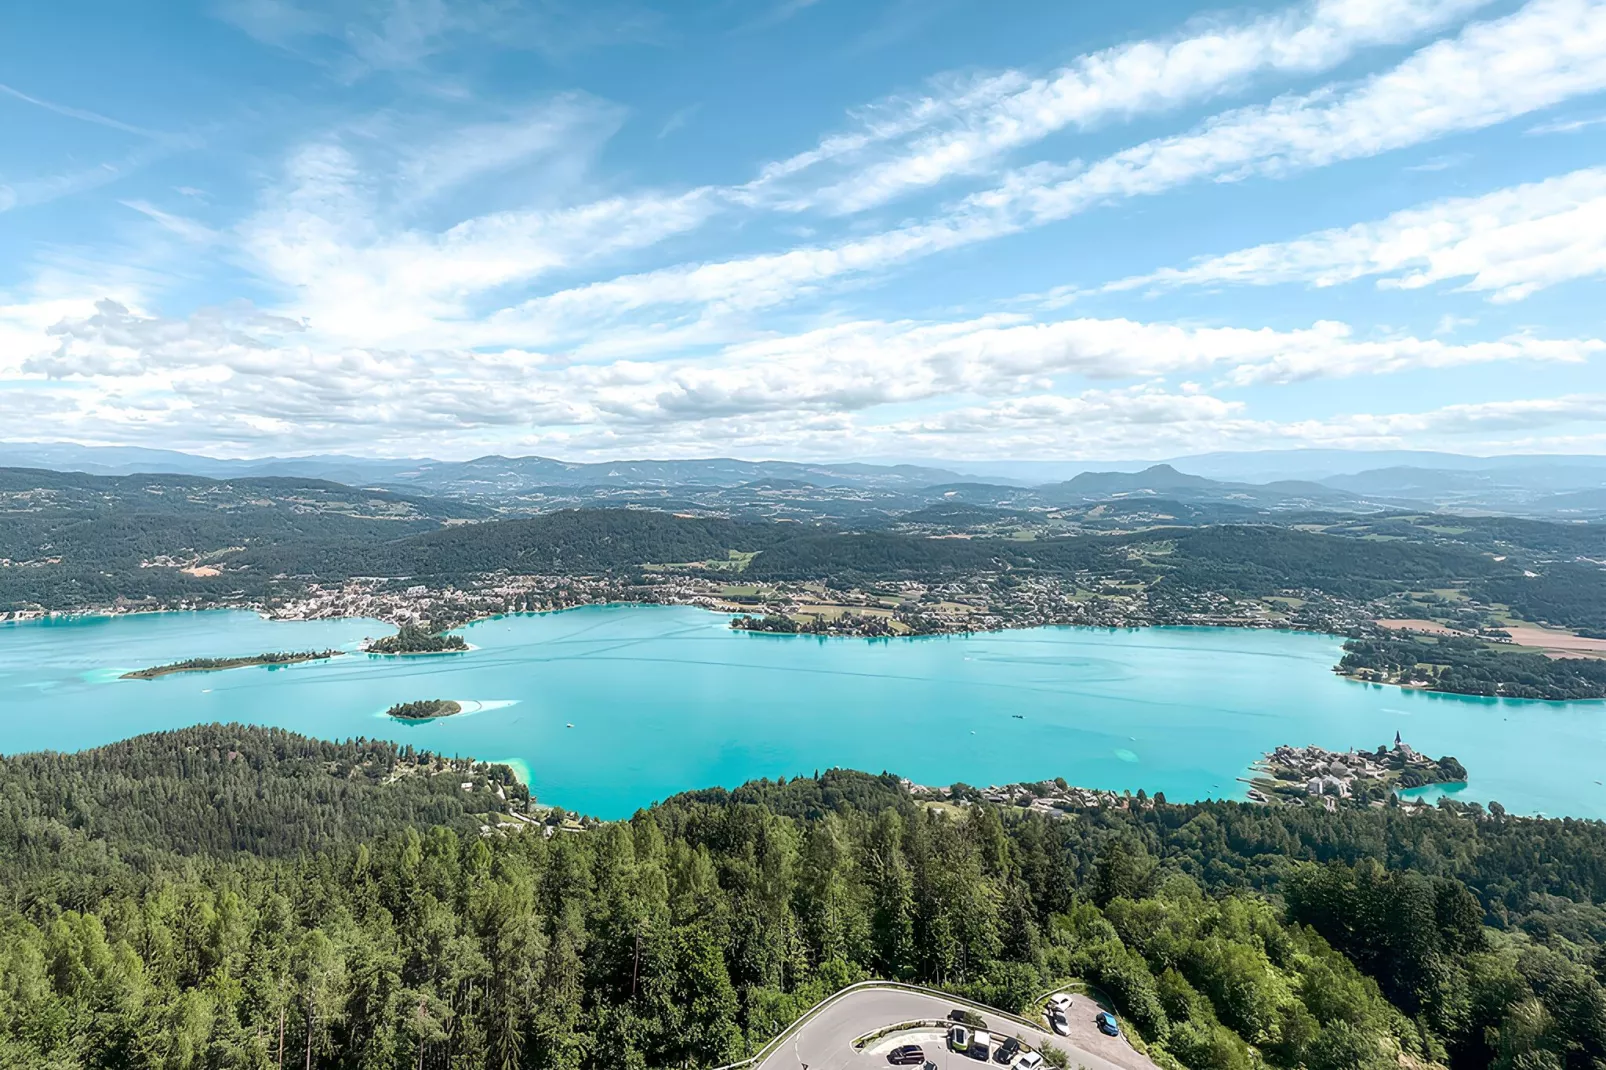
[
  {"x": 1547, "y": 52},
  {"x": 1567, "y": 126},
  {"x": 237, "y": 371},
  {"x": 861, "y": 365},
  {"x": 81, "y": 114},
  {"x": 1507, "y": 244},
  {"x": 243, "y": 381},
  {"x": 181, "y": 226},
  {"x": 564, "y": 133},
  {"x": 396, "y": 312},
  {"x": 1149, "y": 420},
  {"x": 979, "y": 122},
  {"x": 367, "y": 36},
  {"x": 321, "y": 239}
]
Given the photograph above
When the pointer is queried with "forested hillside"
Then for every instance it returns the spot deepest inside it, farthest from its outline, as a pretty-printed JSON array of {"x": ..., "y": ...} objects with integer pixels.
[
  {"x": 1571, "y": 596},
  {"x": 225, "y": 788},
  {"x": 69, "y": 540},
  {"x": 1260, "y": 560},
  {"x": 568, "y": 542},
  {"x": 1229, "y": 936}
]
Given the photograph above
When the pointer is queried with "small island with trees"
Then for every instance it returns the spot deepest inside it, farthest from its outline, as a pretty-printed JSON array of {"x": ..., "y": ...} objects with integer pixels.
[
  {"x": 414, "y": 640},
  {"x": 216, "y": 664},
  {"x": 1300, "y": 774},
  {"x": 424, "y": 709}
]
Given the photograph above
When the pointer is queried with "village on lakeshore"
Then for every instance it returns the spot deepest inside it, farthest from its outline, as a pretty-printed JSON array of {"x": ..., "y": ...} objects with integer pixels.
[
  {"x": 1290, "y": 774},
  {"x": 1296, "y": 776}
]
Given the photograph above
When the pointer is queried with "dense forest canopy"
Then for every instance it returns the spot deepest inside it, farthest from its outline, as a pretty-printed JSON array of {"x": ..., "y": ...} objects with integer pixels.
[
  {"x": 1261, "y": 560},
  {"x": 1229, "y": 936},
  {"x": 1569, "y": 595}
]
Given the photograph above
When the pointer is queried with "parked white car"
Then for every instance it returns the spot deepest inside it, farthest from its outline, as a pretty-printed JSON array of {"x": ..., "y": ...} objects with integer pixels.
[
  {"x": 1030, "y": 1061},
  {"x": 1061, "y": 1024}
]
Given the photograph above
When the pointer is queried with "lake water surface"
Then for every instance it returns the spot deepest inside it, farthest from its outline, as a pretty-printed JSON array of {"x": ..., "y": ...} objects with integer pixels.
[{"x": 606, "y": 709}]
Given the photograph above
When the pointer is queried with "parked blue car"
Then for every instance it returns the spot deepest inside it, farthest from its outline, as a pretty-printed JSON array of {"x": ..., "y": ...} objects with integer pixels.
[{"x": 1107, "y": 1024}]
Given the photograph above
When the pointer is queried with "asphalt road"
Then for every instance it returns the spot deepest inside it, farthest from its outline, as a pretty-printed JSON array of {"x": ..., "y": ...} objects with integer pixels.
[{"x": 825, "y": 1042}]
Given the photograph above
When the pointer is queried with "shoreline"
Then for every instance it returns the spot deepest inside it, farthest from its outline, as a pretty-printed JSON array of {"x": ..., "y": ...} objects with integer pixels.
[
  {"x": 1423, "y": 689},
  {"x": 733, "y": 613},
  {"x": 102, "y": 612}
]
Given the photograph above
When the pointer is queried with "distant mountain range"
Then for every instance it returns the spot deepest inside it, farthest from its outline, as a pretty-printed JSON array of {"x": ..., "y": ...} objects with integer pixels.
[
  {"x": 1266, "y": 466},
  {"x": 1555, "y": 486},
  {"x": 491, "y": 475}
]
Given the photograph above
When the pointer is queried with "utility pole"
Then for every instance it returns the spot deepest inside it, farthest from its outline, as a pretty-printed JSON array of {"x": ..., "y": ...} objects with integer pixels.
[{"x": 635, "y": 967}]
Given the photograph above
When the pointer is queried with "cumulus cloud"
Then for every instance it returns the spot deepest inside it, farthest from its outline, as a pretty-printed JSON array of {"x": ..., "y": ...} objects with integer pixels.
[
  {"x": 1149, "y": 420},
  {"x": 241, "y": 368}
]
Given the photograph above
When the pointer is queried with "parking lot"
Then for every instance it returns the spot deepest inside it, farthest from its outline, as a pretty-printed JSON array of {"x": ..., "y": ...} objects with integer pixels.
[
  {"x": 826, "y": 1041},
  {"x": 1085, "y": 1037}
]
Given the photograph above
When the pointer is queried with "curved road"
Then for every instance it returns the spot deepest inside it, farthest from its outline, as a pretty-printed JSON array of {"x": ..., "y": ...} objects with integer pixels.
[{"x": 825, "y": 1042}]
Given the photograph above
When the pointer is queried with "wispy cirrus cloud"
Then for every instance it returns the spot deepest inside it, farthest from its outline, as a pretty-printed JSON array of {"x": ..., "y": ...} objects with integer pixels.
[
  {"x": 1547, "y": 52},
  {"x": 560, "y": 136},
  {"x": 321, "y": 239},
  {"x": 1550, "y": 50},
  {"x": 1567, "y": 126},
  {"x": 82, "y": 114},
  {"x": 357, "y": 38},
  {"x": 1508, "y": 244},
  {"x": 967, "y": 126}
]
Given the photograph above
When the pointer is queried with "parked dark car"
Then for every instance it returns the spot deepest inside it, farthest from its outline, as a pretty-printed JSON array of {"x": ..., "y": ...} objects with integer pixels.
[
  {"x": 1107, "y": 1024},
  {"x": 907, "y": 1055},
  {"x": 1006, "y": 1051}
]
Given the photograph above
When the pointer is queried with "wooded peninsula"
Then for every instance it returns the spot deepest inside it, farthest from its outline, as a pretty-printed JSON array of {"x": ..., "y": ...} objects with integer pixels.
[{"x": 215, "y": 664}]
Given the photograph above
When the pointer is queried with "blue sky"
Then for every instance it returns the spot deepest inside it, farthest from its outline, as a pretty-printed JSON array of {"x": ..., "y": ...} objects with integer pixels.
[{"x": 881, "y": 228}]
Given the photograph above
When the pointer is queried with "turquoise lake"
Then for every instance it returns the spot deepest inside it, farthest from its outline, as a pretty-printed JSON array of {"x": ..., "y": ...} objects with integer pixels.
[{"x": 662, "y": 699}]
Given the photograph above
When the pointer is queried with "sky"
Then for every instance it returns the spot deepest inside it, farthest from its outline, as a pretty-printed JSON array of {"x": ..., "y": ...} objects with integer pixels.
[{"x": 812, "y": 229}]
